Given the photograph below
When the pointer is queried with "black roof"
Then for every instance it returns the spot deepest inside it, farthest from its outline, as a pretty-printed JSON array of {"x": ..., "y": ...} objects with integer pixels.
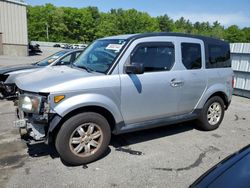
[{"x": 205, "y": 39}]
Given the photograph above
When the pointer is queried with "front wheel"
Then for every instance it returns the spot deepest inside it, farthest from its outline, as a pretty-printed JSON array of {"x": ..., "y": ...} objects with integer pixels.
[
  {"x": 83, "y": 138},
  {"x": 212, "y": 114}
]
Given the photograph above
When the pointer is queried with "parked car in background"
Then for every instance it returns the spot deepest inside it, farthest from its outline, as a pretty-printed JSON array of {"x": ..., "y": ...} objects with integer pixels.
[
  {"x": 9, "y": 73},
  {"x": 34, "y": 49},
  {"x": 67, "y": 46},
  {"x": 231, "y": 172},
  {"x": 83, "y": 46},
  {"x": 56, "y": 45},
  {"x": 79, "y": 46},
  {"x": 75, "y": 46},
  {"x": 62, "y": 45},
  {"x": 122, "y": 84}
]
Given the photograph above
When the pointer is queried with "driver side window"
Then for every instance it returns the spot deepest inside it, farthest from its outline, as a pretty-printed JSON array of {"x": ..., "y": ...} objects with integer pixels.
[{"x": 154, "y": 57}]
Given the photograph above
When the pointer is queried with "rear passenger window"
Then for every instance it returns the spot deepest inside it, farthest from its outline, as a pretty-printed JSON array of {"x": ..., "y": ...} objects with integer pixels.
[
  {"x": 154, "y": 57},
  {"x": 191, "y": 55},
  {"x": 219, "y": 56}
]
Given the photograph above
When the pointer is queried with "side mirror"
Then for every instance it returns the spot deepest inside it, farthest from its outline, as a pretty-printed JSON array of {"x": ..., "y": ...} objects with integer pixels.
[{"x": 134, "y": 68}]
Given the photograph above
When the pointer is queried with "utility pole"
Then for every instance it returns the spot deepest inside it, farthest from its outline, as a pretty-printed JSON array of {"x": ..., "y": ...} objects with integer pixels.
[{"x": 47, "y": 31}]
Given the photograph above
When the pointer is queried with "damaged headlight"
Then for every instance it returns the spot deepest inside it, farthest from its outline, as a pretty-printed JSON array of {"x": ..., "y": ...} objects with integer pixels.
[{"x": 30, "y": 103}]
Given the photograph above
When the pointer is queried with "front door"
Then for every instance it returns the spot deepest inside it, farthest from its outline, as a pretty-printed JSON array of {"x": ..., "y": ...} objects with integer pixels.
[{"x": 150, "y": 96}]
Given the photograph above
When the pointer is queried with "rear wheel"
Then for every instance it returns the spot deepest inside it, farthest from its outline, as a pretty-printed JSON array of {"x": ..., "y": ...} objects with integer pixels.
[
  {"x": 83, "y": 138},
  {"x": 212, "y": 114}
]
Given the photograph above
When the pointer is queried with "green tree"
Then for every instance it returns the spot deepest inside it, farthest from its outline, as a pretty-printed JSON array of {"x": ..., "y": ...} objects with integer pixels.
[
  {"x": 107, "y": 26},
  {"x": 36, "y": 23},
  {"x": 132, "y": 21},
  {"x": 217, "y": 30},
  {"x": 183, "y": 26},
  {"x": 234, "y": 34},
  {"x": 246, "y": 32},
  {"x": 78, "y": 25},
  {"x": 166, "y": 24}
]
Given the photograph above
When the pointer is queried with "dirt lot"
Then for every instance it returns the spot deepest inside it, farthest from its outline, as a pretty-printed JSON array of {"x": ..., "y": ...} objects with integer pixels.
[{"x": 172, "y": 156}]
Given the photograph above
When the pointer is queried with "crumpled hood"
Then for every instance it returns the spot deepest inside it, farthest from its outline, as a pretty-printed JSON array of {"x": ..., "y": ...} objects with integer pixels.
[
  {"x": 4, "y": 70},
  {"x": 52, "y": 79}
]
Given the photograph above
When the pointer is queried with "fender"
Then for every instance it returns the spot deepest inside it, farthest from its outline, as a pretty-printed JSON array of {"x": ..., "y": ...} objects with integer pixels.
[
  {"x": 84, "y": 100},
  {"x": 209, "y": 92}
]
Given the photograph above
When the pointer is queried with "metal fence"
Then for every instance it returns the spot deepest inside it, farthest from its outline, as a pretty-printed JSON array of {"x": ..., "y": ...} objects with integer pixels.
[{"x": 240, "y": 53}]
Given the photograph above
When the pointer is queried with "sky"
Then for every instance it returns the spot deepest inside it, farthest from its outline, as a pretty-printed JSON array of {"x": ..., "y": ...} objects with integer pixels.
[{"x": 227, "y": 12}]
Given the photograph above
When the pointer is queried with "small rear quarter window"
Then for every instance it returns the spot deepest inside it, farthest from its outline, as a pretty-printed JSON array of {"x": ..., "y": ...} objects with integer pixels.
[{"x": 219, "y": 56}]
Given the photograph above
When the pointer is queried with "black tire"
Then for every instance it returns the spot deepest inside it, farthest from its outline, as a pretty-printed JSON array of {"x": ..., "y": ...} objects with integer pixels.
[
  {"x": 203, "y": 122},
  {"x": 63, "y": 140}
]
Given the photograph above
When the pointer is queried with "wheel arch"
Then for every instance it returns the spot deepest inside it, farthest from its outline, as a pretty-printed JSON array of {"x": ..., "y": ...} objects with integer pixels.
[
  {"x": 54, "y": 129},
  {"x": 215, "y": 90},
  {"x": 223, "y": 96}
]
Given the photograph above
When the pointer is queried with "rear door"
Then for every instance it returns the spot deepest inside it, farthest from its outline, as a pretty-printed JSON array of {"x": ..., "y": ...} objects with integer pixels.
[{"x": 193, "y": 77}]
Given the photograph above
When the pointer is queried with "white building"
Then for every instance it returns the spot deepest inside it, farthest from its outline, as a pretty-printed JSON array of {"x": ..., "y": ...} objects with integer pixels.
[
  {"x": 240, "y": 53},
  {"x": 13, "y": 28}
]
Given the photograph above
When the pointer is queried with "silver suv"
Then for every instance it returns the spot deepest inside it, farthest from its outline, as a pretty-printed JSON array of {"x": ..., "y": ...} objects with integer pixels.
[{"x": 121, "y": 84}]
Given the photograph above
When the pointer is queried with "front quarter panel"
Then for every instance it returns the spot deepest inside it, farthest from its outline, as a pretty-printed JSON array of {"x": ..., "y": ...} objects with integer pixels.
[{"x": 85, "y": 100}]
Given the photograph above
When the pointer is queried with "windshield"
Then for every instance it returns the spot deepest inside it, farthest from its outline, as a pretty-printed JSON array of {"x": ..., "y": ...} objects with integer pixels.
[
  {"x": 51, "y": 58},
  {"x": 100, "y": 55}
]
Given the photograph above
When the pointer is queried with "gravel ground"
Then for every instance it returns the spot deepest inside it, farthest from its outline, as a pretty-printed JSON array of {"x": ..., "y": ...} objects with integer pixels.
[{"x": 172, "y": 156}]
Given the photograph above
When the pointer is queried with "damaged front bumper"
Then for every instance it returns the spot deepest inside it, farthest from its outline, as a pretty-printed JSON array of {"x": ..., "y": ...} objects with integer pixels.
[
  {"x": 30, "y": 129},
  {"x": 35, "y": 126},
  {"x": 35, "y": 132}
]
